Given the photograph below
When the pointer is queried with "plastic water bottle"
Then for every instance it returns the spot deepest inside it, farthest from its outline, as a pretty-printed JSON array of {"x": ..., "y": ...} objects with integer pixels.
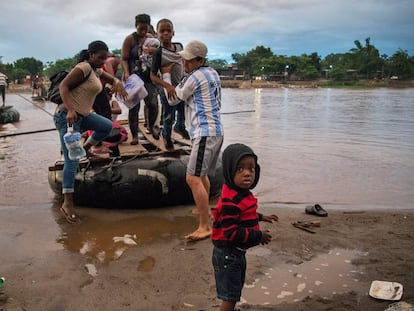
[
  {"x": 73, "y": 143},
  {"x": 2, "y": 280}
]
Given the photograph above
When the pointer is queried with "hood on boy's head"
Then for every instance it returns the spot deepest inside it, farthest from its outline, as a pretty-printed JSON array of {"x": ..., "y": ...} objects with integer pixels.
[{"x": 231, "y": 157}]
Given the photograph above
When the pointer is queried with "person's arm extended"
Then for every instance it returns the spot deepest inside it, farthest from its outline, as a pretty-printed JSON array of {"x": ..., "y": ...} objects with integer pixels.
[{"x": 117, "y": 85}]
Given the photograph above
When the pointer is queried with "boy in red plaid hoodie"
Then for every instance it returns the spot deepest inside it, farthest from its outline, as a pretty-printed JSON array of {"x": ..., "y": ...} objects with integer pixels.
[{"x": 236, "y": 223}]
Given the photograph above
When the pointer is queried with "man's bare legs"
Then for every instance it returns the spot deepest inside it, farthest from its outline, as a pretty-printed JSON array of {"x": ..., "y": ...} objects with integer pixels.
[
  {"x": 206, "y": 183},
  {"x": 200, "y": 187}
]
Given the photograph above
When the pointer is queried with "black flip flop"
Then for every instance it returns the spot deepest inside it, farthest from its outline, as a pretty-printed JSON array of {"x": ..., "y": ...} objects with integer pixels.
[
  {"x": 316, "y": 210},
  {"x": 70, "y": 218}
]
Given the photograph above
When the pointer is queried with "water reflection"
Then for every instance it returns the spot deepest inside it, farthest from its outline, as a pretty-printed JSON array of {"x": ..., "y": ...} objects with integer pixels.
[
  {"x": 105, "y": 235},
  {"x": 333, "y": 146},
  {"x": 325, "y": 275}
]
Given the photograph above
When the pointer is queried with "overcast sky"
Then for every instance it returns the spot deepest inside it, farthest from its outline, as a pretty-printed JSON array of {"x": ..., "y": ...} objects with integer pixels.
[{"x": 50, "y": 30}]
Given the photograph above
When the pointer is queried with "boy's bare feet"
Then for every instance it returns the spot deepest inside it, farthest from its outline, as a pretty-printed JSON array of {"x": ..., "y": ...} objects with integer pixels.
[{"x": 199, "y": 234}]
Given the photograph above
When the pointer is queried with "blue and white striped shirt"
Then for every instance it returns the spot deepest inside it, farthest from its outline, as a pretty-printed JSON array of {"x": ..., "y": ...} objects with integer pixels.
[{"x": 201, "y": 91}]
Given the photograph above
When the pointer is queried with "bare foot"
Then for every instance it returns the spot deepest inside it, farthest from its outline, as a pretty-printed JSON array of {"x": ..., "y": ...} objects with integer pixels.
[
  {"x": 195, "y": 211},
  {"x": 199, "y": 234}
]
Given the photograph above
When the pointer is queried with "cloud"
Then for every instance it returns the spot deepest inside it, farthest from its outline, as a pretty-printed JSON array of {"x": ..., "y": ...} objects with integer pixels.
[{"x": 49, "y": 29}]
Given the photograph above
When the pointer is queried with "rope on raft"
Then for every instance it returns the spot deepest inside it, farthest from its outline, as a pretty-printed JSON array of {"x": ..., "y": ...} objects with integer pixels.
[
  {"x": 29, "y": 132},
  {"x": 234, "y": 112}
]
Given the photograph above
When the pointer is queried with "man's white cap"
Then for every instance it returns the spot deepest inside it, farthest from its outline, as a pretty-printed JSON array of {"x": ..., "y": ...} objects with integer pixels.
[{"x": 194, "y": 49}]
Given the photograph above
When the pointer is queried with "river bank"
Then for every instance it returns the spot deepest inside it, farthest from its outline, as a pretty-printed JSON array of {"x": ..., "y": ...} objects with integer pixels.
[{"x": 44, "y": 270}]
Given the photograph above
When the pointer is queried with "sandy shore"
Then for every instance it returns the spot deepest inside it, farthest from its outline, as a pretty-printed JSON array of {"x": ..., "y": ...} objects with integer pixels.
[{"x": 163, "y": 272}]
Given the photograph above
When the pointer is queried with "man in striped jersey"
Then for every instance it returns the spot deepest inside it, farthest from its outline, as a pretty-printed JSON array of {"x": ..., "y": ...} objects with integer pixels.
[{"x": 200, "y": 89}]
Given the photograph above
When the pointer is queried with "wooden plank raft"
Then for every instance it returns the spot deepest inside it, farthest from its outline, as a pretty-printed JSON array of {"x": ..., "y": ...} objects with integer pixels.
[{"x": 178, "y": 141}]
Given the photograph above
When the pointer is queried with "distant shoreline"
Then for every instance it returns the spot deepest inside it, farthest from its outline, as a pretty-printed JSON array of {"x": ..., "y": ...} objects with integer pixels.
[{"x": 246, "y": 84}]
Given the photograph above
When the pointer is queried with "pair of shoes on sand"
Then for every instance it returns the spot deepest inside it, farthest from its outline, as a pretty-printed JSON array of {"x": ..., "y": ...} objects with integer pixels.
[
  {"x": 316, "y": 210},
  {"x": 182, "y": 132}
]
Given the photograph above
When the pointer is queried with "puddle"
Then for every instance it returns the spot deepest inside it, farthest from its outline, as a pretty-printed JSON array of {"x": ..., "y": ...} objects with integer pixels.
[
  {"x": 325, "y": 275},
  {"x": 108, "y": 237},
  {"x": 147, "y": 264}
]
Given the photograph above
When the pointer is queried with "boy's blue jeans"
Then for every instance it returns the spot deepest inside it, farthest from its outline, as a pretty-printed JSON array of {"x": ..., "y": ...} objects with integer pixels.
[
  {"x": 168, "y": 117},
  {"x": 101, "y": 127}
]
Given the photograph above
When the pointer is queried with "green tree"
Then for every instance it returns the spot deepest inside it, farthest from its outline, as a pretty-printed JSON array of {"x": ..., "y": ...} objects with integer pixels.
[
  {"x": 400, "y": 65},
  {"x": 366, "y": 58},
  {"x": 59, "y": 65},
  {"x": 7, "y": 69},
  {"x": 252, "y": 61},
  {"x": 305, "y": 67},
  {"x": 218, "y": 63},
  {"x": 30, "y": 65}
]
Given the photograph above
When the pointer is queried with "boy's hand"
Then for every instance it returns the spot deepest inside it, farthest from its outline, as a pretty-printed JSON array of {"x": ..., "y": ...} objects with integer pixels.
[
  {"x": 270, "y": 218},
  {"x": 266, "y": 237},
  {"x": 171, "y": 92}
]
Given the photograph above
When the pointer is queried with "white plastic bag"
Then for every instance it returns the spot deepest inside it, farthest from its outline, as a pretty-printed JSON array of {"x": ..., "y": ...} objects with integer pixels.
[{"x": 135, "y": 89}]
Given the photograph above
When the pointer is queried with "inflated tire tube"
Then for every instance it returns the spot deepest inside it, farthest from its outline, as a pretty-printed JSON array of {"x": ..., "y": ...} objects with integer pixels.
[
  {"x": 140, "y": 183},
  {"x": 9, "y": 115}
]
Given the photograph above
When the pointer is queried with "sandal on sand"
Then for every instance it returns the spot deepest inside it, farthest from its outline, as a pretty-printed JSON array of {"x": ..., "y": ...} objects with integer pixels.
[
  {"x": 299, "y": 226},
  {"x": 72, "y": 219},
  {"x": 309, "y": 224},
  {"x": 316, "y": 210}
]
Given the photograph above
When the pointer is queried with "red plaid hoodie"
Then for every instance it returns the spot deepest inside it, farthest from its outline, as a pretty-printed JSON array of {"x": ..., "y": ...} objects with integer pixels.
[{"x": 235, "y": 217}]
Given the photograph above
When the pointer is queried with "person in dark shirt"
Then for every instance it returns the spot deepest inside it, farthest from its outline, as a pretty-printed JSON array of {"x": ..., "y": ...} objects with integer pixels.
[
  {"x": 236, "y": 223},
  {"x": 131, "y": 62}
]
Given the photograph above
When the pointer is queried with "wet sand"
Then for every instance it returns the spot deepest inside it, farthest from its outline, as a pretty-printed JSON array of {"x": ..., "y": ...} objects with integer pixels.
[{"x": 50, "y": 265}]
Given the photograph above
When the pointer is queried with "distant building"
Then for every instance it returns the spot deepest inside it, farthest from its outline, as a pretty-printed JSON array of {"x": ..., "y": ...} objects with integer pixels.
[{"x": 232, "y": 73}]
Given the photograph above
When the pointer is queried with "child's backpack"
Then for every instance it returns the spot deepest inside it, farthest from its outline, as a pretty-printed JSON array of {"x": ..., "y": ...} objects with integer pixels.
[{"x": 53, "y": 93}]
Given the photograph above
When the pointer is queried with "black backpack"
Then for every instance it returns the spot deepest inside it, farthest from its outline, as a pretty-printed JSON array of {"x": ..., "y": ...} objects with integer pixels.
[{"x": 53, "y": 93}]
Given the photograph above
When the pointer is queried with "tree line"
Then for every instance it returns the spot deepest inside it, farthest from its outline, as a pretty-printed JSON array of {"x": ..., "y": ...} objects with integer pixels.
[{"x": 363, "y": 61}]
